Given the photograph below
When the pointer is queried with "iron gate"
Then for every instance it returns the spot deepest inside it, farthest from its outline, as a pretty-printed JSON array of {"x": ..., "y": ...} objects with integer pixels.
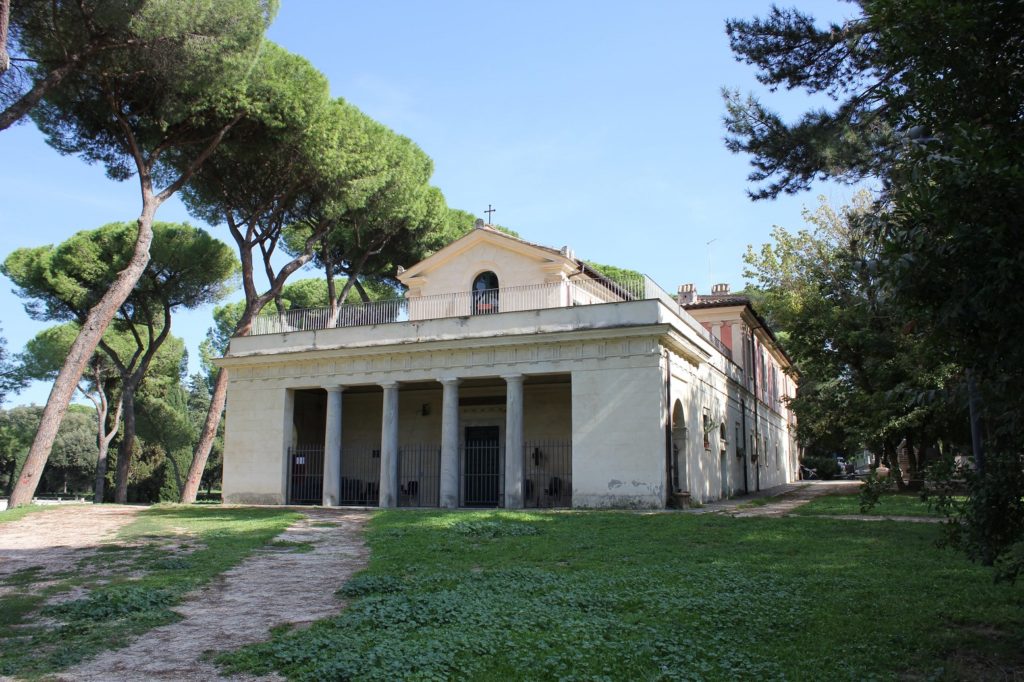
[
  {"x": 419, "y": 475},
  {"x": 360, "y": 477},
  {"x": 481, "y": 465},
  {"x": 547, "y": 474},
  {"x": 306, "y": 482}
]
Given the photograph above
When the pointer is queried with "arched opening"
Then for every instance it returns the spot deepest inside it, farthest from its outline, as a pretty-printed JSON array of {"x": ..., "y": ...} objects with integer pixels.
[
  {"x": 485, "y": 293},
  {"x": 679, "y": 472}
]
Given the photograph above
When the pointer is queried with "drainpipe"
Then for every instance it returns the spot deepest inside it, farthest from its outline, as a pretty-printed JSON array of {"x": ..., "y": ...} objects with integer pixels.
[
  {"x": 743, "y": 420},
  {"x": 668, "y": 428},
  {"x": 757, "y": 435}
]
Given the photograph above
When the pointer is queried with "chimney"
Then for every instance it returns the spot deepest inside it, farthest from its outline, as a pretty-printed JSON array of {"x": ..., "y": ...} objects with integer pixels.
[
  {"x": 568, "y": 252},
  {"x": 687, "y": 294},
  {"x": 479, "y": 223},
  {"x": 720, "y": 289}
]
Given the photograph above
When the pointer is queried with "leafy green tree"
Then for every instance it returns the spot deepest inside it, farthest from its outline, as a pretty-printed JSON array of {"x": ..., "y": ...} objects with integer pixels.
[
  {"x": 74, "y": 454},
  {"x": 156, "y": 110},
  {"x": 860, "y": 374},
  {"x": 926, "y": 99},
  {"x": 17, "y": 426},
  {"x": 73, "y": 460},
  {"x": 614, "y": 272},
  {"x": 12, "y": 379},
  {"x": 188, "y": 268},
  {"x": 165, "y": 420}
]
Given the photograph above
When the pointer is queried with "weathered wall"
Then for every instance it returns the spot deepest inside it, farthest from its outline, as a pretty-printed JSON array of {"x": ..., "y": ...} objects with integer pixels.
[
  {"x": 618, "y": 457},
  {"x": 258, "y": 428}
]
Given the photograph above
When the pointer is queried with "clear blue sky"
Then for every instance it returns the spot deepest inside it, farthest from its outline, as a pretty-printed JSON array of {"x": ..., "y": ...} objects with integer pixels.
[{"x": 592, "y": 124}]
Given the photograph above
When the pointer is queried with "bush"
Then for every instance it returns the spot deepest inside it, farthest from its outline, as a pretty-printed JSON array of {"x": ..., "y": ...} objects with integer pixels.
[
  {"x": 989, "y": 524},
  {"x": 824, "y": 465},
  {"x": 872, "y": 490}
]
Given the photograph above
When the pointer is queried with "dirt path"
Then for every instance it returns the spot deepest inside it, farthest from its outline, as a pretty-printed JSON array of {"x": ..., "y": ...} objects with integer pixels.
[
  {"x": 797, "y": 497},
  {"x": 271, "y": 587},
  {"x": 872, "y": 517},
  {"x": 58, "y": 538}
]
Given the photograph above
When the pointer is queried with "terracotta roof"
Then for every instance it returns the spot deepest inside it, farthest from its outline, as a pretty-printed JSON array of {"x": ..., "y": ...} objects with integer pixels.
[{"x": 710, "y": 301}]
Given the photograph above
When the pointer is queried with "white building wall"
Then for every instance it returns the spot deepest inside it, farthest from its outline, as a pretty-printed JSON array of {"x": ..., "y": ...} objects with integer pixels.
[
  {"x": 618, "y": 419},
  {"x": 254, "y": 418}
]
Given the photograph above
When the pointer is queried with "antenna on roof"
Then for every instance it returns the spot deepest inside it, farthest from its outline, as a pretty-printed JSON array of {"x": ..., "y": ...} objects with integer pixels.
[{"x": 711, "y": 277}]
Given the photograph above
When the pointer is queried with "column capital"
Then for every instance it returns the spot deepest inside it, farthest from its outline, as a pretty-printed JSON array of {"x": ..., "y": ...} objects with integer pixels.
[
  {"x": 338, "y": 388},
  {"x": 449, "y": 381},
  {"x": 388, "y": 384},
  {"x": 513, "y": 378}
]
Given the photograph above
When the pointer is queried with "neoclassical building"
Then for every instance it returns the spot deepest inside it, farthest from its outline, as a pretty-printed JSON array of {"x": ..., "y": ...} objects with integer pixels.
[{"x": 510, "y": 375}]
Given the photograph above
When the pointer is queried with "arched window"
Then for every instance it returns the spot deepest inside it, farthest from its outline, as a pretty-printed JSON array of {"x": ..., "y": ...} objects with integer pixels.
[{"x": 485, "y": 293}]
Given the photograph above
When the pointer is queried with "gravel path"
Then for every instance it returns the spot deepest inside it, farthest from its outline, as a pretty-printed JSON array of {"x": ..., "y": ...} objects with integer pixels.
[
  {"x": 56, "y": 539},
  {"x": 271, "y": 587}
]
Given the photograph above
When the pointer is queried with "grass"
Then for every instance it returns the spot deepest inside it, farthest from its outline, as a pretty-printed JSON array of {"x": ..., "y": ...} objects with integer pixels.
[
  {"x": 609, "y": 596},
  {"x": 8, "y": 515},
  {"x": 130, "y": 585},
  {"x": 889, "y": 504}
]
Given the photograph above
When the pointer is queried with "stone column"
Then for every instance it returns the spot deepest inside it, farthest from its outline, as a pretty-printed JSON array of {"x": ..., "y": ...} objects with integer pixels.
[
  {"x": 514, "y": 442},
  {"x": 450, "y": 443},
  {"x": 389, "y": 446},
  {"x": 332, "y": 448}
]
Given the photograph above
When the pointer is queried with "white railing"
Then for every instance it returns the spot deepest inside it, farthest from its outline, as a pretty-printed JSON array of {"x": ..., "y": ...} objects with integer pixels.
[{"x": 568, "y": 293}]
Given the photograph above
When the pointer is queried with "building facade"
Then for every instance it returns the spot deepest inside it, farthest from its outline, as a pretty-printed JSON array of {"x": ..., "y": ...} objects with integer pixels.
[{"x": 511, "y": 375}]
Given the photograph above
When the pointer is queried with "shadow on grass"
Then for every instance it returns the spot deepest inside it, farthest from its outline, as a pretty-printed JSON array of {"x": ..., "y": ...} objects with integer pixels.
[{"x": 123, "y": 604}]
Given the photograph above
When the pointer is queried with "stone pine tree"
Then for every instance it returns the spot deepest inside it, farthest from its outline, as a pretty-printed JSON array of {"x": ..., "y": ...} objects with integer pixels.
[
  {"x": 188, "y": 268},
  {"x": 401, "y": 220},
  {"x": 314, "y": 163},
  {"x": 50, "y": 40},
  {"x": 154, "y": 110}
]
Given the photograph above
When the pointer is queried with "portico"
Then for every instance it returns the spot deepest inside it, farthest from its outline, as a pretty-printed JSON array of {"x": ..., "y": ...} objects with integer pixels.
[{"x": 450, "y": 442}]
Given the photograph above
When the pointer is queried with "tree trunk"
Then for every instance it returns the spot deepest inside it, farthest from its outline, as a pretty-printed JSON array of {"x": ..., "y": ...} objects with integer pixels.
[
  {"x": 124, "y": 449},
  {"x": 213, "y": 416},
  {"x": 81, "y": 351},
  {"x": 104, "y": 438},
  {"x": 99, "y": 485},
  {"x": 5, "y": 15},
  {"x": 202, "y": 453}
]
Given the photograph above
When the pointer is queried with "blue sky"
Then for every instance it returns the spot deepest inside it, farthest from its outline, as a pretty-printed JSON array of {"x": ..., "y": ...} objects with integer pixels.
[{"x": 596, "y": 125}]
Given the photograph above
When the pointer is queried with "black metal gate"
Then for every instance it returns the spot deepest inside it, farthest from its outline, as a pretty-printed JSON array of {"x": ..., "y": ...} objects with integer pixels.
[
  {"x": 547, "y": 473},
  {"x": 360, "y": 477},
  {"x": 306, "y": 482},
  {"x": 419, "y": 475},
  {"x": 482, "y": 466}
]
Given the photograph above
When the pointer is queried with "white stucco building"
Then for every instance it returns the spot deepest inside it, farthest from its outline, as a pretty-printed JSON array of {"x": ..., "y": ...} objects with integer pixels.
[{"x": 510, "y": 375}]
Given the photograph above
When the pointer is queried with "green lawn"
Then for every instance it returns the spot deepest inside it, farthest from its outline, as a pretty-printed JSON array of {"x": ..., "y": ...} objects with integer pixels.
[
  {"x": 617, "y": 596},
  {"x": 8, "y": 515},
  {"x": 131, "y": 584},
  {"x": 889, "y": 504}
]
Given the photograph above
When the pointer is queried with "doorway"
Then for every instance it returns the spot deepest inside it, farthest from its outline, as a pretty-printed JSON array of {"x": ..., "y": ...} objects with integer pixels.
[{"x": 481, "y": 466}]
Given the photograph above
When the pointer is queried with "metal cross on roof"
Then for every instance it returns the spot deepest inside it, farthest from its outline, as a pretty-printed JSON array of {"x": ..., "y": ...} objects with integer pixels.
[{"x": 489, "y": 212}]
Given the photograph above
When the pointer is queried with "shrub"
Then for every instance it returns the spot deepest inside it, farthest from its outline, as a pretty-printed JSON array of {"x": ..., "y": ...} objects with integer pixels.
[{"x": 824, "y": 465}]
